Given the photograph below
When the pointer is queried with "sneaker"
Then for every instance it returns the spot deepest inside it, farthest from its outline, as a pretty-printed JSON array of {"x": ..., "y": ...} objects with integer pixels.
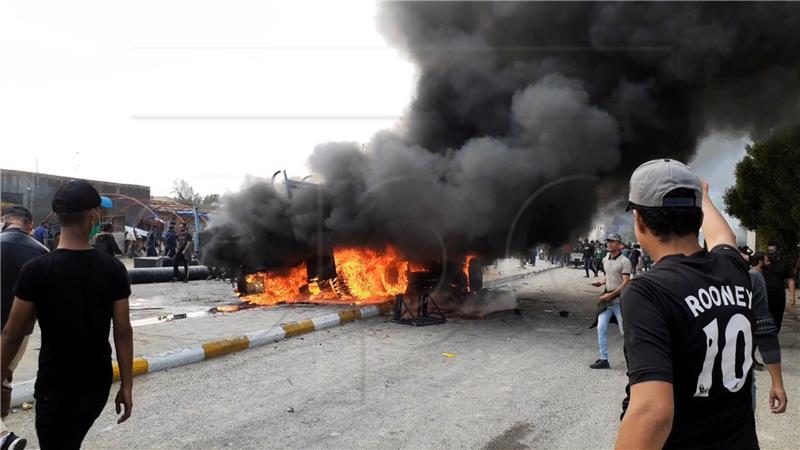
[
  {"x": 13, "y": 442},
  {"x": 600, "y": 364}
]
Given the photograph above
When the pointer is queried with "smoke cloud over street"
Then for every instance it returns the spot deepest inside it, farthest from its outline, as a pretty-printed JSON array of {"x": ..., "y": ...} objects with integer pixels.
[{"x": 527, "y": 117}]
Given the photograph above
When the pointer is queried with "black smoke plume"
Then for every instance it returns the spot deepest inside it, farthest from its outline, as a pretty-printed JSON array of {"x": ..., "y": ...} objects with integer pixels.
[{"x": 523, "y": 113}]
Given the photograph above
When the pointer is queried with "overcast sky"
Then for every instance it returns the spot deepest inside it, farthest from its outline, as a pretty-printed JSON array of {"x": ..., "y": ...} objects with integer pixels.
[{"x": 147, "y": 92}]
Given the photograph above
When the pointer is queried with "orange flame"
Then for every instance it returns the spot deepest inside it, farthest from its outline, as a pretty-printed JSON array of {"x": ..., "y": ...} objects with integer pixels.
[
  {"x": 467, "y": 260},
  {"x": 369, "y": 274},
  {"x": 362, "y": 276}
]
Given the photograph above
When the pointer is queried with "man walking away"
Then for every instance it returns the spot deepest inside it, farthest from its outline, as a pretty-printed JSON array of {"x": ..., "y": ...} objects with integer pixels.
[
  {"x": 778, "y": 276},
  {"x": 75, "y": 292},
  {"x": 16, "y": 248},
  {"x": 183, "y": 254},
  {"x": 766, "y": 335},
  {"x": 687, "y": 321},
  {"x": 618, "y": 273}
]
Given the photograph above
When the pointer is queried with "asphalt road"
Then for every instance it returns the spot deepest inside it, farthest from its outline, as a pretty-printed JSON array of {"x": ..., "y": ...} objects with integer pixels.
[{"x": 511, "y": 381}]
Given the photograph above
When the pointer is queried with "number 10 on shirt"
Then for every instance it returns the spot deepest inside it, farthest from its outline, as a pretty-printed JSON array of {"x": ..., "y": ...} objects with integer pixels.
[{"x": 737, "y": 324}]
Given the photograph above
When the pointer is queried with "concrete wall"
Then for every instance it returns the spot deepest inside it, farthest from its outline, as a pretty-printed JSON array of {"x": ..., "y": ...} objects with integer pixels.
[{"x": 35, "y": 192}]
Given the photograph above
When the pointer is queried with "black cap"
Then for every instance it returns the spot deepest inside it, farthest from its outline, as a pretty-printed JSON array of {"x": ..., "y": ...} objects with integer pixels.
[
  {"x": 19, "y": 211},
  {"x": 74, "y": 197}
]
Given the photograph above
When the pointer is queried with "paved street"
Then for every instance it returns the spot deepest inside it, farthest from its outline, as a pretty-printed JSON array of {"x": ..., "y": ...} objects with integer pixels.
[{"x": 512, "y": 381}]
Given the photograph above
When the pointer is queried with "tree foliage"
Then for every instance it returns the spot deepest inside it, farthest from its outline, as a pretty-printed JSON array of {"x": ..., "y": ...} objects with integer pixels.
[
  {"x": 184, "y": 192},
  {"x": 766, "y": 197},
  {"x": 209, "y": 200}
]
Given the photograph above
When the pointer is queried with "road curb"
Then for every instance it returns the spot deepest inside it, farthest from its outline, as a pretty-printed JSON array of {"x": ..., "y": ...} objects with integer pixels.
[
  {"x": 520, "y": 276},
  {"x": 23, "y": 391}
]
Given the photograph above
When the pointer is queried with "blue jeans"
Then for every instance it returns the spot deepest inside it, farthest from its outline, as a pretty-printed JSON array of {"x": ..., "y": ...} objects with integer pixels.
[{"x": 602, "y": 327}]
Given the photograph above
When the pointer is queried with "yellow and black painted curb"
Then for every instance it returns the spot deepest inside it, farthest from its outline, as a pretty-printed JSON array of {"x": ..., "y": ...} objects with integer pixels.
[{"x": 23, "y": 392}]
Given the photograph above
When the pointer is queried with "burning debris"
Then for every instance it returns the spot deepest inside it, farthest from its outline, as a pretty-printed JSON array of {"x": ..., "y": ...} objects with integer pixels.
[{"x": 523, "y": 113}]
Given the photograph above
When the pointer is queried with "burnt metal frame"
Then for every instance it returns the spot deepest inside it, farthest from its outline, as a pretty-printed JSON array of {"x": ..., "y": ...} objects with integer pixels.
[{"x": 425, "y": 314}]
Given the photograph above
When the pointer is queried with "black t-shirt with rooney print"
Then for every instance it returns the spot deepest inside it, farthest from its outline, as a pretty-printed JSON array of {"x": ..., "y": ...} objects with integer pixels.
[{"x": 689, "y": 322}]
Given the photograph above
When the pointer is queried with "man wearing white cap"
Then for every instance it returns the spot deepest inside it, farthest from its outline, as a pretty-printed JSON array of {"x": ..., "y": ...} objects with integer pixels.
[{"x": 688, "y": 322}]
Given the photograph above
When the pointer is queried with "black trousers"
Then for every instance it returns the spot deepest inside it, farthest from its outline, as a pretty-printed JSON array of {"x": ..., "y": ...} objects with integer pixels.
[
  {"x": 777, "y": 303},
  {"x": 180, "y": 259},
  {"x": 63, "y": 419}
]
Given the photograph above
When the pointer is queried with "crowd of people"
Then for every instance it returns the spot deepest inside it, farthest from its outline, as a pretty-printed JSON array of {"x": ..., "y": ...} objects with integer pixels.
[{"x": 692, "y": 316}]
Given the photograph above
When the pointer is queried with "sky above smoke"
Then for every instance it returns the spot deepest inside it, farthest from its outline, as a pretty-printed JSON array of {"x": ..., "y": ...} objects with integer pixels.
[{"x": 528, "y": 117}]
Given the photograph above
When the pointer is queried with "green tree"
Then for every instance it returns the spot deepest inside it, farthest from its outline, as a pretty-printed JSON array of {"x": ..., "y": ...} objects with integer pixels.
[
  {"x": 766, "y": 197},
  {"x": 184, "y": 192},
  {"x": 209, "y": 200}
]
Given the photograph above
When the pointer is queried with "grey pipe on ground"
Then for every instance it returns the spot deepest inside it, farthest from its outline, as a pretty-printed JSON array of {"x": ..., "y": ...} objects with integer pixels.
[{"x": 144, "y": 275}]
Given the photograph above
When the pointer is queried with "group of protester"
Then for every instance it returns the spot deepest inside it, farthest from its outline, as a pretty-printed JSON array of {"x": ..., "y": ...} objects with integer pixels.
[
  {"x": 685, "y": 320},
  {"x": 75, "y": 291}
]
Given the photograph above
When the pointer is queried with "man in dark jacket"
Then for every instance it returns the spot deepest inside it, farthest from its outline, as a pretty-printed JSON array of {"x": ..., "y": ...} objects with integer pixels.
[{"x": 16, "y": 248}]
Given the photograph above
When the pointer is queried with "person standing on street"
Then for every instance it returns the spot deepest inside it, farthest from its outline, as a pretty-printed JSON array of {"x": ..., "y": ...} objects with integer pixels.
[
  {"x": 588, "y": 258},
  {"x": 152, "y": 241},
  {"x": 170, "y": 241},
  {"x": 16, "y": 248},
  {"x": 618, "y": 273},
  {"x": 183, "y": 253},
  {"x": 599, "y": 255},
  {"x": 130, "y": 242},
  {"x": 105, "y": 242},
  {"x": 778, "y": 275},
  {"x": 75, "y": 292},
  {"x": 634, "y": 256},
  {"x": 765, "y": 333},
  {"x": 688, "y": 322}
]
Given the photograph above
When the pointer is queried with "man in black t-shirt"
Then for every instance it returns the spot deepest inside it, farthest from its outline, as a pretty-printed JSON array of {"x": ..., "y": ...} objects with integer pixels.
[
  {"x": 183, "y": 253},
  {"x": 75, "y": 292},
  {"x": 778, "y": 276},
  {"x": 688, "y": 322}
]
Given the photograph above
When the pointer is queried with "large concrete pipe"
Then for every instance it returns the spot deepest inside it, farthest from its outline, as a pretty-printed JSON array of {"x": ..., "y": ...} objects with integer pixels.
[{"x": 164, "y": 274}]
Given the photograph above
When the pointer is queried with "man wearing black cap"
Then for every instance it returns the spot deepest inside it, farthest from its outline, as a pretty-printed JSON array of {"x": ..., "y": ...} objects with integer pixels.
[
  {"x": 17, "y": 247},
  {"x": 688, "y": 322},
  {"x": 75, "y": 292}
]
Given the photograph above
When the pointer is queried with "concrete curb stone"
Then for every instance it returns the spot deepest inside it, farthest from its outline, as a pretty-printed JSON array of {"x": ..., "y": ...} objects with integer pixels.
[{"x": 23, "y": 391}]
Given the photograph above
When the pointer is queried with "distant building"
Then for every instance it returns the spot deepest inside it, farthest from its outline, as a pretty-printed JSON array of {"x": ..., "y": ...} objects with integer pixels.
[{"x": 35, "y": 192}]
